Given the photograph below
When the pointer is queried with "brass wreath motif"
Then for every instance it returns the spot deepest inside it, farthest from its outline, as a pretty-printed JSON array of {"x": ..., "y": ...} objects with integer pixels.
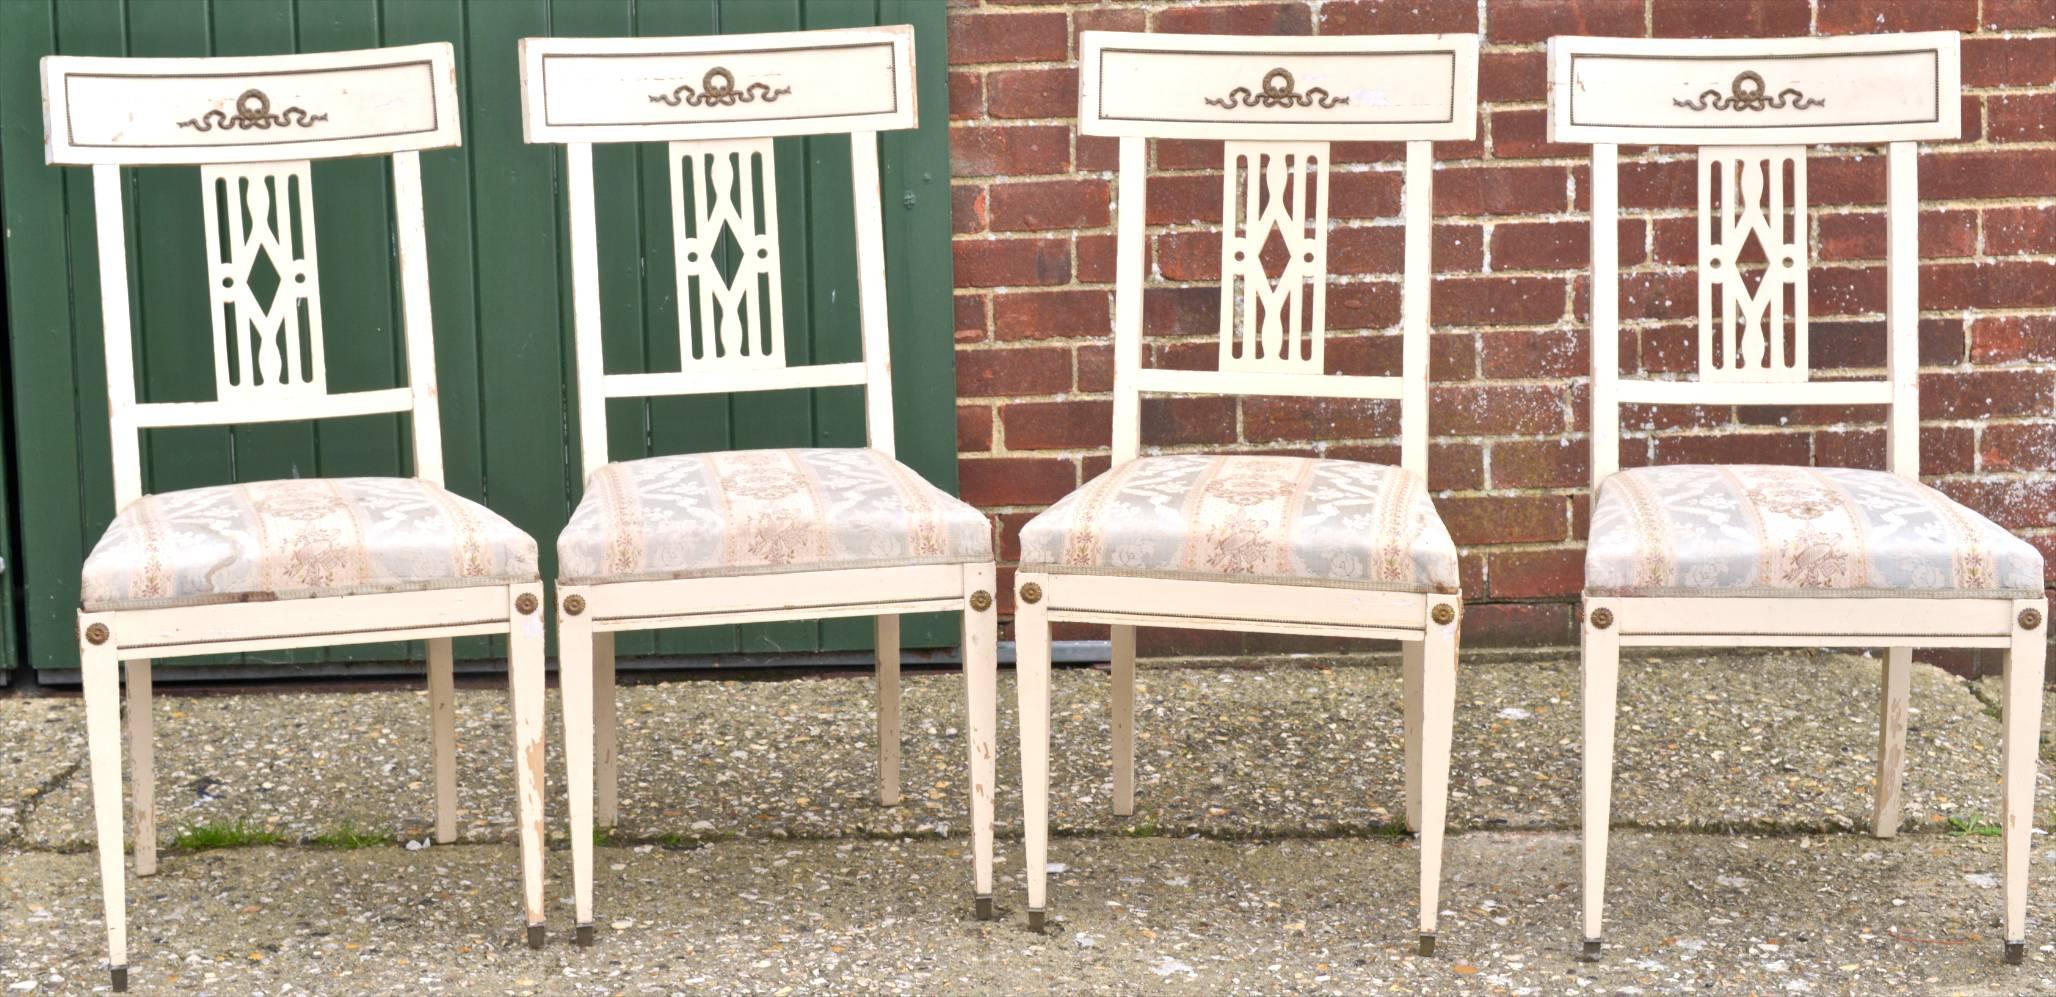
[
  {"x": 981, "y": 600},
  {"x": 2030, "y": 619},
  {"x": 525, "y": 603},
  {"x": 1443, "y": 613},
  {"x": 97, "y": 634},
  {"x": 574, "y": 605},
  {"x": 253, "y": 111},
  {"x": 1031, "y": 593},
  {"x": 1602, "y": 618},
  {"x": 1746, "y": 94},
  {"x": 1278, "y": 91},
  {"x": 717, "y": 89}
]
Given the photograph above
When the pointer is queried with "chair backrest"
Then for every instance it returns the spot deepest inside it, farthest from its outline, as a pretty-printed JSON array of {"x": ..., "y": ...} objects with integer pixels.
[
  {"x": 1278, "y": 103},
  {"x": 253, "y": 126},
  {"x": 718, "y": 101},
  {"x": 1751, "y": 107}
]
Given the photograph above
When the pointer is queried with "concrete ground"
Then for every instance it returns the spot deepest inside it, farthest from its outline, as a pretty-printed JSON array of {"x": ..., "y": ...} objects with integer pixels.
[{"x": 1261, "y": 857}]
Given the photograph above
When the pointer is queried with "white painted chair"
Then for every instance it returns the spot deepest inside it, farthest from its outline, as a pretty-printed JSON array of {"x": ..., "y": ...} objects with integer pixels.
[
  {"x": 281, "y": 564},
  {"x": 1756, "y": 556},
  {"x": 745, "y": 536},
  {"x": 1269, "y": 544}
]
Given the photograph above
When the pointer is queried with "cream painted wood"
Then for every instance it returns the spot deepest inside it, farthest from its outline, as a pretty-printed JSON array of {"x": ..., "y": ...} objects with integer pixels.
[
  {"x": 1274, "y": 324},
  {"x": 1902, "y": 308},
  {"x": 1413, "y": 307},
  {"x": 142, "y": 766},
  {"x": 1437, "y": 721},
  {"x": 1122, "y": 652},
  {"x": 1605, "y": 341},
  {"x": 1600, "y": 653},
  {"x": 253, "y": 126},
  {"x": 1412, "y": 659},
  {"x": 442, "y": 722},
  {"x": 2024, "y": 677},
  {"x": 135, "y": 112},
  {"x": 1031, "y": 681},
  {"x": 718, "y": 101},
  {"x": 885, "y": 632},
  {"x": 1893, "y": 699},
  {"x": 1752, "y": 196}
]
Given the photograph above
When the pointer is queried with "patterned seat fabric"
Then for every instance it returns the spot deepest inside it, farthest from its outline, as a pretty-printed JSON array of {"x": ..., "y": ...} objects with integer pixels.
[
  {"x": 753, "y": 511},
  {"x": 1279, "y": 519},
  {"x": 300, "y": 538},
  {"x": 1755, "y": 530}
]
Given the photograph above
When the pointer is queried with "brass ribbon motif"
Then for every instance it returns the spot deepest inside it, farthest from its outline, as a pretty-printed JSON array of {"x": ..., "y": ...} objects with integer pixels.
[
  {"x": 717, "y": 89},
  {"x": 1746, "y": 94},
  {"x": 1277, "y": 92},
  {"x": 253, "y": 111}
]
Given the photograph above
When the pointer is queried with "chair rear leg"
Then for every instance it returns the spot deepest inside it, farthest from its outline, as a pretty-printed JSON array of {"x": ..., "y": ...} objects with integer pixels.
[
  {"x": 2023, "y": 733},
  {"x": 1123, "y": 641},
  {"x": 101, "y": 674},
  {"x": 606, "y": 727},
  {"x": 442, "y": 722},
  {"x": 1437, "y": 718},
  {"x": 1410, "y": 660},
  {"x": 142, "y": 766},
  {"x": 1601, "y": 668},
  {"x": 1892, "y": 703},
  {"x": 981, "y": 693},
  {"x": 887, "y": 632},
  {"x": 1031, "y": 671}
]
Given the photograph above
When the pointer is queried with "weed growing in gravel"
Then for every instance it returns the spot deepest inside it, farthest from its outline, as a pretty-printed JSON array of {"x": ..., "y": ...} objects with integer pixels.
[
  {"x": 224, "y": 834},
  {"x": 1973, "y": 825},
  {"x": 349, "y": 837}
]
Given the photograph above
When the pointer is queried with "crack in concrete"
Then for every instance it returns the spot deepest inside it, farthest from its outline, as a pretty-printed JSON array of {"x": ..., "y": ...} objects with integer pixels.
[{"x": 43, "y": 792}]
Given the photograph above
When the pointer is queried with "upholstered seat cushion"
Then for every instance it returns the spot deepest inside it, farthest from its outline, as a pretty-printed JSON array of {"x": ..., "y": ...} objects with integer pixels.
[
  {"x": 752, "y": 511},
  {"x": 300, "y": 538},
  {"x": 1755, "y": 530},
  {"x": 1258, "y": 518}
]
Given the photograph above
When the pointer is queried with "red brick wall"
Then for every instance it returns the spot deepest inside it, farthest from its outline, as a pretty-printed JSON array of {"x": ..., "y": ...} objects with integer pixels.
[{"x": 1034, "y": 272}]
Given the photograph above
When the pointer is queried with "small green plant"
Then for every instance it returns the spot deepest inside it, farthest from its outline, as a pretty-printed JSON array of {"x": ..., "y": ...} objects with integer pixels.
[
  {"x": 348, "y": 836},
  {"x": 224, "y": 834},
  {"x": 1973, "y": 825},
  {"x": 1144, "y": 829},
  {"x": 603, "y": 836}
]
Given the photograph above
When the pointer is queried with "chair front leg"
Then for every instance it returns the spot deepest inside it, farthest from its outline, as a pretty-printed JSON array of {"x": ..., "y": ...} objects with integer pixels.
[
  {"x": 1123, "y": 668},
  {"x": 886, "y": 629},
  {"x": 1892, "y": 704},
  {"x": 575, "y": 682},
  {"x": 1437, "y": 723},
  {"x": 525, "y": 687},
  {"x": 2023, "y": 733},
  {"x": 1031, "y": 673},
  {"x": 442, "y": 722},
  {"x": 142, "y": 765},
  {"x": 981, "y": 692},
  {"x": 101, "y": 671},
  {"x": 1601, "y": 652}
]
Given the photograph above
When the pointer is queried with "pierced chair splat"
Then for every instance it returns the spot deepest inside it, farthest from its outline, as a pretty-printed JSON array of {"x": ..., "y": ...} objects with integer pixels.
[
  {"x": 707, "y": 539},
  {"x": 1763, "y": 556},
  {"x": 1259, "y": 543},
  {"x": 268, "y": 565}
]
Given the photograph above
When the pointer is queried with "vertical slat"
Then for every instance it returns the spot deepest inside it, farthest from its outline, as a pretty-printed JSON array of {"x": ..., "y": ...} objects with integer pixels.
[
  {"x": 1606, "y": 363},
  {"x": 1413, "y": 309},
  {"x": 1902, "y": 308},
  {"x": 585, "y": 310},
  {"x": 114, "y": 324},
  {"x": 871, "y": 289},
  {"x": 409, "y": 219},
  {"x": 1131, "y": 243}
]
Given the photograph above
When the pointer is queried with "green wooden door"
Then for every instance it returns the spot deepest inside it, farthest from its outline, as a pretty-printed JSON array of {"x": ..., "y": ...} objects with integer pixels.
[{"x": 500, "y": 279}]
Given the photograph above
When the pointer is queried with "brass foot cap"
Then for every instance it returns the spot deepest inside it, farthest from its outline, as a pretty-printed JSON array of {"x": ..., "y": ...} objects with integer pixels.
[
  {"x": 2016, "y": 953},
  {"x": 984, "y": 908},
  {"x": 583, "y": 937},
  {"x": 1035, "y": 920},
  {"x": 1591, "y": 953},
  {"x": 1427, "y": 944},
  {"x": 118, "y": 976},
  {"x": 535, "y": 936}
]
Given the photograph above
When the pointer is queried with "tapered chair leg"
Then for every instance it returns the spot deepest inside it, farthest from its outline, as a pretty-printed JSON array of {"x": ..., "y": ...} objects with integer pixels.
[
  {"x": 2023, "y": 727},
  {"x": 1031, "y": 671},
  {"x": 1411, "y": 656},
  {"x": 981, "y": 694},
  {"x": 442, "y": 721},
  {"x": 525, "y": 685},
  {"x": 1123, "y": 642},
  {"x": 1601, "y": 660},
  {"x": 606, "y": 732},
  {"x": 101, "y": 674},
  {"x": 887, "y": 631},
  {"x": 142, "y": 766},
  {"x": 1892, "y": 703},
  {"x": 1437, "y": 722},
  {"x": 576, "y": 683}
]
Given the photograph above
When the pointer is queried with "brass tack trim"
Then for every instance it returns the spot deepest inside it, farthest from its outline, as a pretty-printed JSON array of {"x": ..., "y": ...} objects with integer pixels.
[
  {"x": 97, "y": 634},
  {"x": 1031, "y": 593},
  {"x": 1602, "y": 618},
  {"x": 2030, "y": 619},
  {"x": 981, "y": 600},
  {"x": 574, "y": 605},
  {"x": 525, "y": 603},
  {"x": 1443, "y": 613}
]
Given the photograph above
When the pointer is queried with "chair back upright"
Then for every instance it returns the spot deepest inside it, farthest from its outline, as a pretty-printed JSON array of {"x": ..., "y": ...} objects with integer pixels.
[
  {"x": 1751, "y": 107},
  {"x": 718, "y": 101},
  {"x": 1279, "y": 104},
  {"x": 254, "y": 126}
]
